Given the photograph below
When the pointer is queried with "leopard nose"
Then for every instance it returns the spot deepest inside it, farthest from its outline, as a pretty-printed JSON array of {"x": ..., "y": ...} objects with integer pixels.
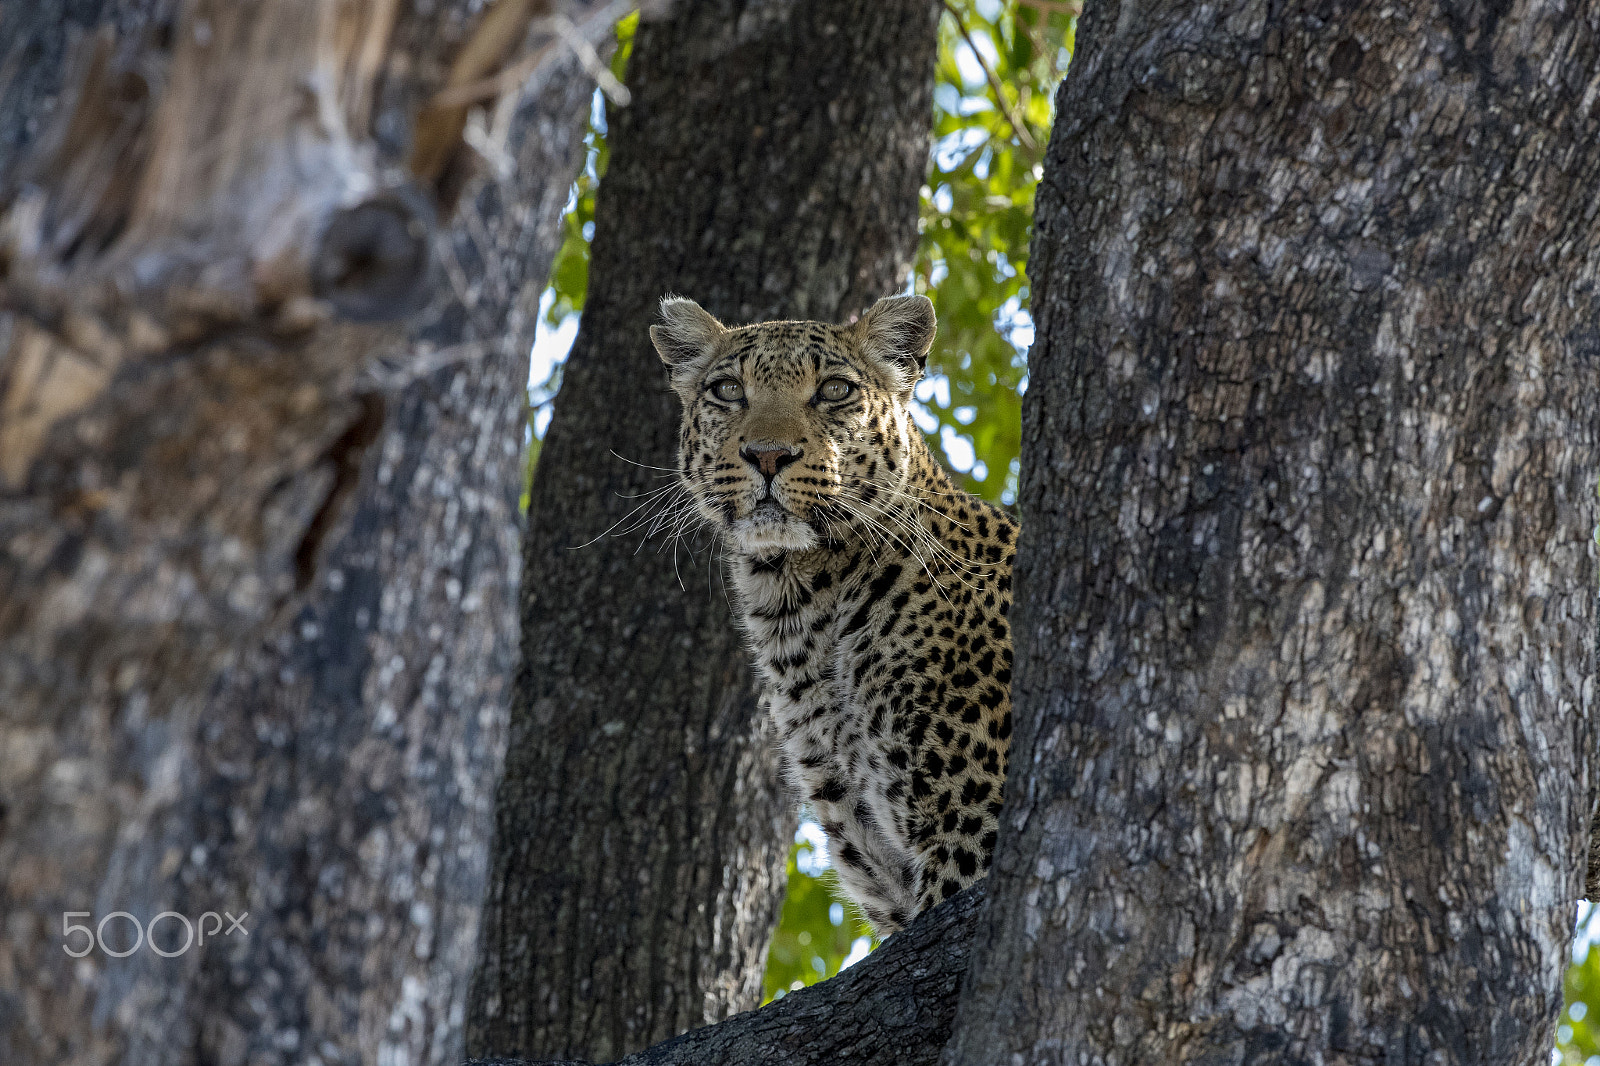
[{"x": 768, "y": 459}]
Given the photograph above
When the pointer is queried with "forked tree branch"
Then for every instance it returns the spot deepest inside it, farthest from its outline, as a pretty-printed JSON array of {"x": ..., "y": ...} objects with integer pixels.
[{"x": 894, "y": 1008}]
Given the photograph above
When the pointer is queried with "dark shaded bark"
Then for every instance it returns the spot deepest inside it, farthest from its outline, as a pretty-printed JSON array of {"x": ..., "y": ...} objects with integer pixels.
[
  {"x": 1304, "y": 762},
  {"x": 894, "y": 1008},
  {"x": 204, "y": 456},
  {"x": 1591, "y": 881},
  {"x": 768, "y": 166}
]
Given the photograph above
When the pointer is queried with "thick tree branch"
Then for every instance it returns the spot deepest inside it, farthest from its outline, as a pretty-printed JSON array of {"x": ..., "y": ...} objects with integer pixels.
[{"x": 894, "y": 1008}]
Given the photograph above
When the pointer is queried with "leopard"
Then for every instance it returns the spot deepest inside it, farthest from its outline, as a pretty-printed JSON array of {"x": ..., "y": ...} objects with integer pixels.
[{"x": 872, "y": 591}]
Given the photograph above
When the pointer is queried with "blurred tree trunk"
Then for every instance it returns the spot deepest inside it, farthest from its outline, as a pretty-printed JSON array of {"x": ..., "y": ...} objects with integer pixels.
[
  {"x": 1305, "y": 759},
  {"x": 199, "y": 449},
  {"x": 769, "y": 167}
]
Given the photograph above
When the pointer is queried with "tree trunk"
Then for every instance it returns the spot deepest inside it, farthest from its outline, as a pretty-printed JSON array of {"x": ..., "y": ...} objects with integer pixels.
[
  {"x": 197, "y": 452},
  {"x": 769, "y": 167},
  {"x": 1304, "y": 757}
]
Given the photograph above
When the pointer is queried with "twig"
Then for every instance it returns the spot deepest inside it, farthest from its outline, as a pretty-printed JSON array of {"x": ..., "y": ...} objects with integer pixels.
[
  {"x": 497, "y": 84},
  {"x": 583, "y": 48},
  {"x": 1018, "y": 127}
]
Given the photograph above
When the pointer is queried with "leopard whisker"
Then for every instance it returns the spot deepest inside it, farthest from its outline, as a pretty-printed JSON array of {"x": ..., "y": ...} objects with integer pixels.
[
  {"x": 651, "y": 499},
  {"x": 655, "y": 520},
  {"x": 919, "y": 557},
  {"x": 890, "y": 490},
  {"x": 670, "y": 471},
  {"x": 933, "y": 550},
  {"x": 675, "y": 521},
  {"x": 972, "y": 566}
]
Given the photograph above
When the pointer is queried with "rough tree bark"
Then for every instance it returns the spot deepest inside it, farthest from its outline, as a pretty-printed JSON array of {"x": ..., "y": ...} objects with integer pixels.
[
  {"x": 1304, "y": 762},
  {"x": 768, "y": 166},
  {"x": 197, "y": 451}
]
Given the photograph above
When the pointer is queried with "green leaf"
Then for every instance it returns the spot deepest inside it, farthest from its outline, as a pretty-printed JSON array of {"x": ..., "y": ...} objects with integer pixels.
[
  {"x": 1578, "y": 1032},
  {"x": 977, "y": 220},
  {"x": 809, "y": 945}
]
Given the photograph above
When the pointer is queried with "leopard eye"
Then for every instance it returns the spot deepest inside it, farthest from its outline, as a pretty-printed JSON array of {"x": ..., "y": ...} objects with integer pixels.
[
  {"x": 729, "y": 390},
  {"x": 835, "y": 389}
]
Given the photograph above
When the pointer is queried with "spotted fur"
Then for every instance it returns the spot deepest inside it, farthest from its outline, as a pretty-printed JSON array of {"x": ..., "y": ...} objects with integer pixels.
[{"x": 872, "y": 592}]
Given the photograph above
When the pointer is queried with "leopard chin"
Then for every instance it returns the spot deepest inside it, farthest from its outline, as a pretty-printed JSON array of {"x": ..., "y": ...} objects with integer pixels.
[{"x": 770, "y": 529}]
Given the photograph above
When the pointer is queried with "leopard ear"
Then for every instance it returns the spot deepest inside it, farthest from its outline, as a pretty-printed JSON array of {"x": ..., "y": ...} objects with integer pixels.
[
  {"x": 687, "y": 337},
  {"x": 898, "y": 333}
]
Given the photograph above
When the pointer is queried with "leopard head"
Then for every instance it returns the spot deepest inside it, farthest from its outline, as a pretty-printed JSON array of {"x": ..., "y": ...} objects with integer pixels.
[{"x": 795, "y": 431}]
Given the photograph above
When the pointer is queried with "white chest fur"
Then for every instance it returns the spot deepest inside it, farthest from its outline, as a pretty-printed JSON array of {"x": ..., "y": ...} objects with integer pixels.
[{"x": 810, "y": 619}]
